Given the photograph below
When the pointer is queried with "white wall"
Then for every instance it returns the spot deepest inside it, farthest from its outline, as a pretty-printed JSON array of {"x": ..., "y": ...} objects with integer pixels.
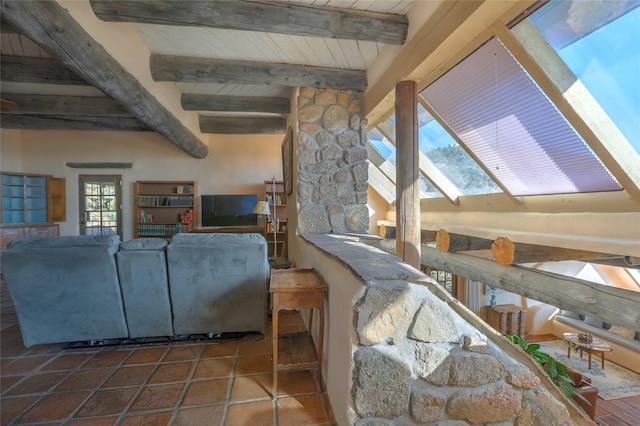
[{"x": 236, "y": 164}]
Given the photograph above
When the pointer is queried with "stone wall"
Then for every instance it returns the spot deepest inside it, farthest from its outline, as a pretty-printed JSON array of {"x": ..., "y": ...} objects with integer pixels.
[
  {"x": 417, "y": 362},
  {"x": 332, "y": 162}
]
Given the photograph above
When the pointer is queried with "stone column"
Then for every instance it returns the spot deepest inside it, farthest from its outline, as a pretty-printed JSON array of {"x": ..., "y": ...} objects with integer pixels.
[{"x": 332, "y": 162}]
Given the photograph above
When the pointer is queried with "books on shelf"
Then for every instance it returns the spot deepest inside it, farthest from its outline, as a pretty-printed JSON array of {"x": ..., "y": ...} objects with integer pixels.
[
  {"x": 146, "y": 217},
  {"x": 184, "y": 189},
  {"x": 178, "y": 200},
  {"x": 279, "y": 187},
  {"x": 162, "y": 230},
  {"x": 171, "y": 200}
]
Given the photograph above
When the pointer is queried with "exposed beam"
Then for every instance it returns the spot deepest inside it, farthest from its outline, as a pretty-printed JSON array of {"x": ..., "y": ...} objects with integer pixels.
[
  {"x": 452, "y": 243},
  {"x": 71, "y": 122},
  {"x": 49, "y": 25},
  {"x": 389, "y": 232},
  {"x": 243, "y": 125},
  {"x": 66, "y": 105},
  {"x": 7, "y": 28},
  {"x": 206, "y": 70},
  {"x": 283, "y": 18},
  {"x": 506, "y": 252},
  {"x": 18, "y": 69},
  {"x": 191, "y": 102},
  {"x": 588, "y": 298},
  {"x": 99, "y": 165}
]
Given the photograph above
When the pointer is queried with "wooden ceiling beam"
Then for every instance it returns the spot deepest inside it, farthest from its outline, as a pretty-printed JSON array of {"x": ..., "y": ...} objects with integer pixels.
[
  {"x": 71, "y": 122},
  {"x": 506, "y": 252},
  {"x": 243, "y": 125},
  {"x": 18, "y": 69},
  {"x": 206, "y": 70},
  {"x": 66, "y": 105},
  {"x": 389, "y": 232},
  {"x": 451, "y": 243},
  {"x": 193, "y": 102},
  {"x": 49, "y": 25},
  {"x": 275, "y": 17}
]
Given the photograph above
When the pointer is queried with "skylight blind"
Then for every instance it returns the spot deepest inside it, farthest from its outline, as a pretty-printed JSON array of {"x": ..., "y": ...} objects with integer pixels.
[{"x": 504, "y": 118}]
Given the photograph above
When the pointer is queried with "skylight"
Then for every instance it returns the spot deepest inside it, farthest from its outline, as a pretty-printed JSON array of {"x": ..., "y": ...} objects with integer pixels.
[
  {"x": 598, "y": 41},
  {"x": 501, "y": 115},
  {"x": 450, "y": 158}
]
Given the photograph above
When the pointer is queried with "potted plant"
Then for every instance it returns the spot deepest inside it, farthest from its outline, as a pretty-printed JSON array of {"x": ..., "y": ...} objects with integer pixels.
[{"x": 556, "y": 370}]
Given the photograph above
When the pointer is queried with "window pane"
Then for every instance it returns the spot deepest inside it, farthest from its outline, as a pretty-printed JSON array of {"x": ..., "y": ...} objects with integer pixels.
[
  {"x": 452, "y": 160},
  {"x": 503, "y": 117},
  {"x": 598, "y": 40}
]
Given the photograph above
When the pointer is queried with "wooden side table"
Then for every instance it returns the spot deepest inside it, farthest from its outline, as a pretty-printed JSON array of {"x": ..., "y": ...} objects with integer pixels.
[{"x": 297, "y": 289}]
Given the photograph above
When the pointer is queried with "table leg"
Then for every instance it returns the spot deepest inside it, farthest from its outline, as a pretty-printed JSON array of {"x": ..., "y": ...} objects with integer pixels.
[
  {"x": 568, "y": 351},
  {"x": 602, "y": 360},
  {"x": 274, "y": 343},
  {"x": 589, "y": 352},
  {"x": 320, "y": 344}
]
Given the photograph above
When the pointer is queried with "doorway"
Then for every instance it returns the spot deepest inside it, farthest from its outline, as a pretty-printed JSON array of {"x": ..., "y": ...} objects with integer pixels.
[{"x": 100, "y": 204}]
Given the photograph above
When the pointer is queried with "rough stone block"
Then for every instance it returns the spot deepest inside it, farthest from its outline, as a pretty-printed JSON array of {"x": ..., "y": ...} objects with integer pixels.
[
  {"x": 496, "y": 403},
  {"x": 335, "y": 117},
  {"x": 357, "y": 219},
  {"x": 475, "y": 344},
  {"x": 313, "y": 219},
  {"x": 427, "y": 406},
  {"x": 306, "y": 142},
  {"x": 310, "y": 113},
  {"x": 326, "y": 96},
  {"x": 349, "y": 139},
  {"x": 384, "y": 313},
  {"x": 325, "y": 138},
  {"x": 471, "y": 369},
  {"x": 521, "y": 377},
  {"x": 433, "y": 323},
  {"x": 432, "y": 363},
  {"x": 540, "y": 408},
  {"x": 381, "y": 382}
]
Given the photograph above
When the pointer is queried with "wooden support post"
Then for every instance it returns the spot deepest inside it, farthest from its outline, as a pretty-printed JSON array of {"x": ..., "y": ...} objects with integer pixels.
[{"x": 407, "y": 174}]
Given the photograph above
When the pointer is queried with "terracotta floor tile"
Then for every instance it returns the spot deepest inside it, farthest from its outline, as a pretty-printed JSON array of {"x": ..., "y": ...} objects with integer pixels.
[
  {"x": 300, "y": 410},
  {"x": 253, "y": 365},
  {"x": 219, "y": 350},
  {"x": 84, "y": 380},
  {"x": 255, "y": 347},
  {"x": 37, "y": 384},
  {"x": 96, "y": 421},
  {"x": 57, "y": 406},
  {"x": 172, "y": 372},
  {"x": 206, "y": 392},
  {"x": 251, "y": 387},
  {"x": 200, "y": 416},
  {"x": 10, "y": 408},
  {"x": 214, "y": 368},
  {"x": 327, "y": 407},
  {"x": 183, "y": 353},
  {"x": 13, "y": 349},
  {"x": 25, "y": 365},
  {"x": 146, "y": 355},
  {"x": 289, "y": 317},
  {"x": 296, "y": 382},
  {"x": 152, "y": 419},
  {"x": 67, "y": 362},
  {"x": 107, "y": 359},
  {"x": 157, "y": 397},
  {"x": 129, "y": 376},
  {"x": 107, "y": 402},
  {"x": 291, "y": 329},
  {"x": 252, "y": 413},
  {"x": 7, "y": 381}
]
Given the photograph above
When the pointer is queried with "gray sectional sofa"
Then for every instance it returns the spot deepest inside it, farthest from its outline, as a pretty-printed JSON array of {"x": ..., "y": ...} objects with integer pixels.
[{"x": 94, "y": 288}]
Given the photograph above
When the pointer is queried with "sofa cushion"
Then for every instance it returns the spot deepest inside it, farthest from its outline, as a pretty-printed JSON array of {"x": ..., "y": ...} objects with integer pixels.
[
  {"x": 569, "y": 314},
  {"x": 65, "y": 241},
  {"x": 144, "y": 244},
  {"x": 622, "y": 331},
  {"x": 594, "y": 322}
]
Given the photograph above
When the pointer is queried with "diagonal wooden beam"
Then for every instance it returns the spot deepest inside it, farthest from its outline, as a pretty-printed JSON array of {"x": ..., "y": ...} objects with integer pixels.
[
  {"x": 205, "y": 70},
  {"x": 71, "y": 122},
  {"x": 66, "y": 105},
  {"x": 243, "y": 125},
  {"x": 18, "y": 69},
  {"x": 275, "y": 17},
  {"x": 506, "y": 252},
  {"x": 192, "y": 102},
  {"x": 49, "y": 25}
]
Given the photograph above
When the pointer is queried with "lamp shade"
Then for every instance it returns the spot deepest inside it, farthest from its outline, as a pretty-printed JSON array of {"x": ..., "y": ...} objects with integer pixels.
[{"x": 262, "y": 208}]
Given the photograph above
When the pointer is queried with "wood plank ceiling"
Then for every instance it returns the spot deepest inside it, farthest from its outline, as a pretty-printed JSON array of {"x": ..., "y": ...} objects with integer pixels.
[{"x": 235, "y": 63}]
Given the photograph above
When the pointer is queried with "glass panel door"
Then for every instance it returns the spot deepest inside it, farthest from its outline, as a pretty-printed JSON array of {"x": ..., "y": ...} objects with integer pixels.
[{"x": 100, "y": 205}]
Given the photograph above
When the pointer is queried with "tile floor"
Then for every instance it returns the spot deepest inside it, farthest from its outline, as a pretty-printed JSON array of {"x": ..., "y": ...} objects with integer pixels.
[{"x": 201, "y": 383}]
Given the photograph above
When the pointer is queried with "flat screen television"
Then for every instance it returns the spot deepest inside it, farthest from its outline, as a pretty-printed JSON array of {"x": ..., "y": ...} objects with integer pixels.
[{"x": 228, "y": 210}]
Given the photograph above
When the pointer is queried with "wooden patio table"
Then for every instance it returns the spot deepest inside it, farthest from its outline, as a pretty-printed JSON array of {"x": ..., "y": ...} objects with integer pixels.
[{"x": 596, "y": 346}]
